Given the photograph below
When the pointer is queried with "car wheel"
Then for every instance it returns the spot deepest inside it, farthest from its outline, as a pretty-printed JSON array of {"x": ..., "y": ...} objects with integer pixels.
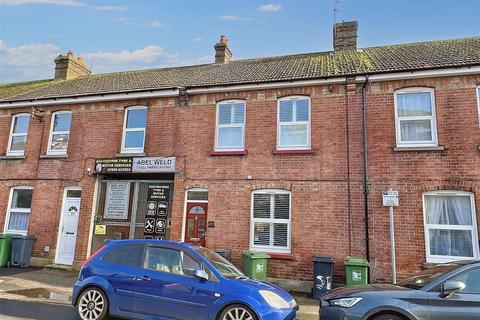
[
  {"x": 92, "y": 305},
  {"x": 237, "y": 312},
  {"x": 388, "y": 317}
]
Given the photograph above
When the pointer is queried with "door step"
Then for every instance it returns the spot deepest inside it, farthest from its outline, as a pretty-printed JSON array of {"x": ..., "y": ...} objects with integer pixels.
[{"x": 55, "y": 266}]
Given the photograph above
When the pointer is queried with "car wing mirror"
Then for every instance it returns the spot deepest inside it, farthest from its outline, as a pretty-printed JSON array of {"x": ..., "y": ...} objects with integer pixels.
[
  {"x": 200, "y": 274},
  {"x": 451, "y": 287}
]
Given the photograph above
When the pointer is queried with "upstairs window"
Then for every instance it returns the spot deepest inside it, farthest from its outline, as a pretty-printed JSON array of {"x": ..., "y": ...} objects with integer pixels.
[
  {"x": 18, "y": 135},
  {"x": 230, "y": 129},
  {"x": 293, "y": 123},
  {"x": 59, "y": 133},
  {"x": 134, "y": 129},
  {"x": 19, "y": 208},
  {"x": 450, "y": 226},
  {"x": 271, "y": 217},
  {"x": 415, "y": 117}
]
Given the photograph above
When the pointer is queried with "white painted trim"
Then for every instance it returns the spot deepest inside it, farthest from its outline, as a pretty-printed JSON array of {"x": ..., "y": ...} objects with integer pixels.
[
  {"x": 432, "y": 118},
  {"x": 10, "y": 137},
  {"x": 91, "y": 99},
  {"x": 9, "y": 209},
  {"x": 185, "y": 202},
  {"x": 308, "y": 123},
  {"x": 124, "y": 150},
  {"x": 92, "y": 217},
  {"x": 60, "y": 225},
  {"x": 445, "y": 72},
  {"x": 474, "y": 229},
  {"x": 231, "y": 125},
  {"x": 478, "y": 102},
  {"x": 50, "y": 136},
  {"x": 271, "y": 249}
]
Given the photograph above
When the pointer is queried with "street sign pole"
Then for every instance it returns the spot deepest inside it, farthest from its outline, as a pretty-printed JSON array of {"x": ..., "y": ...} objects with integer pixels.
[{"x": 392, "y": 244}]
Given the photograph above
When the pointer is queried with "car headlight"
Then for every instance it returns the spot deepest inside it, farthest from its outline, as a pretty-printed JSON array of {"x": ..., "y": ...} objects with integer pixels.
[
  {"x": 344, "y": 302},
  {"x": 274, "y": 300}
]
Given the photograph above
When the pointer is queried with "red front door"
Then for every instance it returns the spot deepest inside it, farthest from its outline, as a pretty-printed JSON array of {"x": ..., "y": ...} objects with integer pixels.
[{"x": 196, "y": 223}]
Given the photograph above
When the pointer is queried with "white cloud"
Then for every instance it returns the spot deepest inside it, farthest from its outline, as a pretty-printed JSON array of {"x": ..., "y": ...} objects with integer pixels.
[
  {"x": 269, "y": 7},
  {"x": 233, "y": 18},
  {"x": 197, "y": 39},
  {"x": 74, "y": 3},
  {"x": 134, "y": 23},
  {"x": 109, "y": 8},
  {"x": 27, "y": 62}
]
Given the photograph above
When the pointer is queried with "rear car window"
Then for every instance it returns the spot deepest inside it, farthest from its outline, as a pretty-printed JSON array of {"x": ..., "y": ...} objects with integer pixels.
[{"x": 126, "y": 254}]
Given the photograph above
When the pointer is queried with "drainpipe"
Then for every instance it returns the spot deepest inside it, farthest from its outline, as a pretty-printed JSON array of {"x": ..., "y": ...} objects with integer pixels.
[{"x": 365, "y": 167}]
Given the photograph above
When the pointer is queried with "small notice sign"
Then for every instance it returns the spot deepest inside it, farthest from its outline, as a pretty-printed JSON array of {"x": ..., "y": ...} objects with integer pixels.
[
  {"x": 390, "y": 198},
  {"x": 100, "y": 229}
]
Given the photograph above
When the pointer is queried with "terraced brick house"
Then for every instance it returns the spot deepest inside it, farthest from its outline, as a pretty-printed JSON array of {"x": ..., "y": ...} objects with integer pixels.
[{"x": 287, "y": 155}]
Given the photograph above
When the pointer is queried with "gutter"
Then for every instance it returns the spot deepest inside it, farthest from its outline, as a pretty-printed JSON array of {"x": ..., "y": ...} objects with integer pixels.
[{"x": 174, "y": 92}]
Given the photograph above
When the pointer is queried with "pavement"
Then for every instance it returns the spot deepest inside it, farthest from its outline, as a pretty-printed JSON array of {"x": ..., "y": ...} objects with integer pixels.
[{"x": 36, "y": 294}]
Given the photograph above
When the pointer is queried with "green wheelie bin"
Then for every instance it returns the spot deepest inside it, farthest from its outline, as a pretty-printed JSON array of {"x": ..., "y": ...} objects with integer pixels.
[
  {"x": 255, "y": 264},
  {"x": 356, "y": 271},
  {"x": 5, "y": 249}
]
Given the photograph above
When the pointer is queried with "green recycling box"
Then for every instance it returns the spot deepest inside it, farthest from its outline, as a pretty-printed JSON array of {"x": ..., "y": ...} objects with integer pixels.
[
  {"x": 255, "y": 264},
  {"x": 356, "y": 271},
  {"x": 5, "y": 249}
]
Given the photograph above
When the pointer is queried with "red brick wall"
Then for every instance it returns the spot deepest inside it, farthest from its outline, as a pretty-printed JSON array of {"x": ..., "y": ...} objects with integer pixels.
[{"x": 323, "y": 218}]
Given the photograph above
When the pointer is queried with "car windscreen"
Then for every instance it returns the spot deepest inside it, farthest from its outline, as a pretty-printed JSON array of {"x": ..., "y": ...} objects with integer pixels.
[
  {"x": 225, "y": 267},
  {"x": 427, "y": 276}
]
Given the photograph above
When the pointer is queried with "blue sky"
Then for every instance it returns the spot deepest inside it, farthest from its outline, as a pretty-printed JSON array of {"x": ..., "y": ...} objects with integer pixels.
[{"x": 115, "y": 35}]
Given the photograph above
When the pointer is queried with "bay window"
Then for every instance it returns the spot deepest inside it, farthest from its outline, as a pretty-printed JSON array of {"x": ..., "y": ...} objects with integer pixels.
[
  {"x": 415, "y": 118},
  {"x": 450, "y": 226},
  {"x": 293, "y": 123},
  {"x": 18, "y": 134},
  {"x": 134, "y": 129},
  {"x": 18, "y": 211},
  {"x": 271, "y": 221},
  {"x": 230, "y": 126},
  {"x": 59, "y": 133}
]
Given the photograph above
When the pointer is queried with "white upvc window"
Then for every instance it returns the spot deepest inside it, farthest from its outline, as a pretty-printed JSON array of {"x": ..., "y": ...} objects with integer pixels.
[
  {"x": 18, "y": 211},
  {"x": 18, "y": 134},
  {"x": 270, "y": 228},
  {"x": 59, "y": 133},
  {"x": 293, "y": 128},
  {"x": 134, "y": 129},
  {"x": 450, "y": 226},
  {"x": 230, "y": 126},
  {"x": 415, "y": 119}
]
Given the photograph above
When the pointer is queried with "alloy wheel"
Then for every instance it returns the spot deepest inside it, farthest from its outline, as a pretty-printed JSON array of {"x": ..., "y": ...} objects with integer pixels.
[
  {"x": 238, "y": 313},
  {"x": 91, "y": 305}
]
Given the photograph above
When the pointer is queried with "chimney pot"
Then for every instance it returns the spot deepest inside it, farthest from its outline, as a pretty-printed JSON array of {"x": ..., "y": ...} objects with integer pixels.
[
  {"x": 222, "y": 51},
  {"x": 345, "y": 36}
]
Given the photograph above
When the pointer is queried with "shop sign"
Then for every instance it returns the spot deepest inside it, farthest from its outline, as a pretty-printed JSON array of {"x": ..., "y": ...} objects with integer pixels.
[
  {"x": 117, "y": 199},
  {"x": 135, "y": 165},
  {"x": 158, "y": 203},
  {"x": 153, "y": 164}
]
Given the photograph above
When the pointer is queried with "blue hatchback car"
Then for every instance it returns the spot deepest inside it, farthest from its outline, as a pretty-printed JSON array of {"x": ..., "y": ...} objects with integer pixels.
[{"x": 150, "y": 279}]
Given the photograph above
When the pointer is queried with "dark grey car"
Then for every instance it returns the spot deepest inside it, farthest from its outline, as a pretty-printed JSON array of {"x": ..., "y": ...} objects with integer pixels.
[{"x": 444, "y": 292}]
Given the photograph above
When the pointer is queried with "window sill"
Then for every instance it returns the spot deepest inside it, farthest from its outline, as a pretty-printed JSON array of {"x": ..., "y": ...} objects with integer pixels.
[
  {"x": 228, "y": 153},
  {"x": 281, "y": 256},
  {"x": 53, "y": 156},
  {"x": 128, "y": 155},
  {"x": 308, "y": 151},
  {"x": 12, "y": 157},
  {"x": 406, "y": 149}
]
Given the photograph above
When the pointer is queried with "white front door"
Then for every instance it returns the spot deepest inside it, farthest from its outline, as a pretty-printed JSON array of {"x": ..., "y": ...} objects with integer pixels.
[{"x": 68, "y": 231}]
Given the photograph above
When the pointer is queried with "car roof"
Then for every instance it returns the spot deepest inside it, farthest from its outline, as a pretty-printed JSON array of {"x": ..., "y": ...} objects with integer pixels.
[{"x": 151, "y": 241}]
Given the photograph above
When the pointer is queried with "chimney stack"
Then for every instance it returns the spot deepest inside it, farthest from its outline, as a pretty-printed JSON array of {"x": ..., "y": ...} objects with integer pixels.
[
  {"x": 222, "y": 51},
  {"x": 345, "y": 36},
  {"x": 69, "y": 67}
]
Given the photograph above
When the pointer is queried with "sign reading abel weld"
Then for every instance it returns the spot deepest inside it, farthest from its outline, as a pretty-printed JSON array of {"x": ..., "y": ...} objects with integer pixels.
[
  {"x": 117, "y": 198},
  {"x": 135, "y": 165},
  {"x": 390, "y": 198}
]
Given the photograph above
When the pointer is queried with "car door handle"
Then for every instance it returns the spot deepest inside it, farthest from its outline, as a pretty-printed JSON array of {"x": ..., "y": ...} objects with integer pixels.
[{"x": 142, "y": 278}]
